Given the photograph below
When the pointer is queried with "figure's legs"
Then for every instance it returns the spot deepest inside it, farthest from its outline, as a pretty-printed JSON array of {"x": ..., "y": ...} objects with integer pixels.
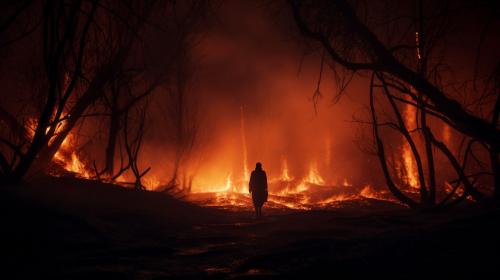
[{"x": 256, "y": 210}]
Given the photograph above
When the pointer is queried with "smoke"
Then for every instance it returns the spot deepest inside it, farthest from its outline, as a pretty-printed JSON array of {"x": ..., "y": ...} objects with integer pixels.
[
  {"x": 244, "y": 61},
  {"x": 248, "y": 65}
]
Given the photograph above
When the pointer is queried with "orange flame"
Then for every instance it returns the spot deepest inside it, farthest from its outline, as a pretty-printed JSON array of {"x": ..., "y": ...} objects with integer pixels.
[
  {"x": 411, "y": 173},
  {"x": 66, "y": 156},
  {"x": 285, "y": 176},
  {"x": 313, "y": 177},
  {"x": 311, "y": 191}
]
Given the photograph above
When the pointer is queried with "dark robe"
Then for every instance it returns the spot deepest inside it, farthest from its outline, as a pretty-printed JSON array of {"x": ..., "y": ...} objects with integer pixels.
[{"x": 258, "y": 187}]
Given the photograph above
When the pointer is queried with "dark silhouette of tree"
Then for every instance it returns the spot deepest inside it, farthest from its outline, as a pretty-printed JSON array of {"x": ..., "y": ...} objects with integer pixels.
[
  {"x": 84, "y": 45},
  {"x": 97, "y": 56},
  {"x": 407, "y": 70},
  {"x": 166, "y": 71},
  {"x": 133, "y": 147},
  {"x": 183, "y": 120},
  {"x": 121, "y": 99}
]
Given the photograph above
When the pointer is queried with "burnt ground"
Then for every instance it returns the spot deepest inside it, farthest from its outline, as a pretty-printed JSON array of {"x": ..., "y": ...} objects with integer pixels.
[{"x": 76, "y": 229}]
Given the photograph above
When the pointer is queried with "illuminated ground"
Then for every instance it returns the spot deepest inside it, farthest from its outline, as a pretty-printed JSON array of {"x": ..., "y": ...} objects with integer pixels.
[
  {"x": 293, "y": 194},
  {"x": 234, "y": 201},
  {"x": 76, "y": 229}
]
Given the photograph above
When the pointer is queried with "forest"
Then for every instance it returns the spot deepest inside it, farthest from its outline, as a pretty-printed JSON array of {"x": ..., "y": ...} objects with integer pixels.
[{"x": 133, "y": 134}]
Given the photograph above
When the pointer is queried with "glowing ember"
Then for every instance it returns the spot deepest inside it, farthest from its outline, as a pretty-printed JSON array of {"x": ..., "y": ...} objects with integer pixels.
[
  {"x": 285, "y": 191},
  {"x": 417, "y": 41},
  {"x": 310, "y": 192},
  {"x": 368, "y": 192},
  {"x": 337, "y": 198},
  {"x": 459, "y": 192}
]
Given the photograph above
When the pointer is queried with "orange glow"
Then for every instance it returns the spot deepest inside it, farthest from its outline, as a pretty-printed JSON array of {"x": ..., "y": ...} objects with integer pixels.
[
  {"x": 151, "y": 183},
  {"x": 246, "y": 175},
  {"x": 410, "y": 169},
  {"x": 346, "y": 183},
  {"x": 285, "y": 176},
  {"x": 417, "y": 41},
  {"x": 309, "y": 192},
  {"x": 66, "y": 156},
  {"x": 69, "y": 159},
  {"x": 368, "y": 192},
  {"x": 313, "y": 177},
  {"x": 337, "y": 198},
  {"x": 286, "y": 190},
  {"x": 446, "y": 134},
  {"x": 228, "y": 183},
  {"x": 459, "y": 192},
  {"x": 411, "y": 173},
  {"x": 77, "y": 166}
]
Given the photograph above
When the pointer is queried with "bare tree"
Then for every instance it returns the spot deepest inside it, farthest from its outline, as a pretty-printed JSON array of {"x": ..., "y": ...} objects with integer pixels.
[
  {"x": 85, "y": 44},
  {"x": 355, "y": 40},
  {"x": 166, "y": 67},
  {"x": 122, "y": 96},
  {"x": 133, "y": 147},
  {"x": 182, "y": 116}
]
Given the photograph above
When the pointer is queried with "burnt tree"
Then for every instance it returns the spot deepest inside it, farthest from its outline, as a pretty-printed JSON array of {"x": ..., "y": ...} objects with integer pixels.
[{"x": 358, "y": 41}]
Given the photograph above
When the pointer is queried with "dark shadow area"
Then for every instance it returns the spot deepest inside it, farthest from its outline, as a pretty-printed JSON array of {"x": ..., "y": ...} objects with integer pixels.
[{"x": 102, "y": 231}]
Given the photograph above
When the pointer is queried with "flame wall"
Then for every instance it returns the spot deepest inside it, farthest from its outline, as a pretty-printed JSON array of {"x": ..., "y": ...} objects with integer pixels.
[{"x": 254, "y": 89}]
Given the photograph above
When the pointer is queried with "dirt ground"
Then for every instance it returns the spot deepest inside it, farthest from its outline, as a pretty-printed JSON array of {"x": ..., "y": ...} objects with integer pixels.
[{"x": 75, "y": 229}]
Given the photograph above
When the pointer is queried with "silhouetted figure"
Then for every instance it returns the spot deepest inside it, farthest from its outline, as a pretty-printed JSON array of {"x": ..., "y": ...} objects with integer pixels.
[{"x": 258, "y": 188}]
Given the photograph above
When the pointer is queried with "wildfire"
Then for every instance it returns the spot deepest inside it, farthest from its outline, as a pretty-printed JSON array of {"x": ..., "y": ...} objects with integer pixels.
[
  {"x": 368, "y": 192},
  {"x": 285, "y": 176},
  {"x": 228, "y": 183},
  {"x": 285, "y": 191},
  {"x": 66, "y": 156},
  {"x": 310, "y": 191},
  {"x": 410, "y": 170},
  {"x": 313, "y": 177},
  {"x": 77, "y": 166}
]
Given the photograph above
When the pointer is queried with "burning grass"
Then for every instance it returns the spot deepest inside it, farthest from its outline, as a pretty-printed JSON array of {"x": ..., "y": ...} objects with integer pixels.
[
  {"x": 286, "y": 190},
  {"x": 308, "y": 193}
]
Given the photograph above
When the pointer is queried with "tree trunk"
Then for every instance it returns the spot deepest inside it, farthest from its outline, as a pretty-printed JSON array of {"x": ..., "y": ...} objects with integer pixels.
[{"x": 114, "y": 128}]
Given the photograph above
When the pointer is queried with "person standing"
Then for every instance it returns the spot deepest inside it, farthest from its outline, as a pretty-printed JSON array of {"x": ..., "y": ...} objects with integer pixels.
[{"x": 258, "y": 189}]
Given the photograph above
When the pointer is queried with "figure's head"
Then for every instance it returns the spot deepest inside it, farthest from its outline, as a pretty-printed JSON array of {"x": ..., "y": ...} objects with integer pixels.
[{"x": 258, "y": 166}]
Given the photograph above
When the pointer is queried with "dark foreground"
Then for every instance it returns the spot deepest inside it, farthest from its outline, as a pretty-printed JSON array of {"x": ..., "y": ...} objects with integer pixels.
[{"x": 75, "y": 229}]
